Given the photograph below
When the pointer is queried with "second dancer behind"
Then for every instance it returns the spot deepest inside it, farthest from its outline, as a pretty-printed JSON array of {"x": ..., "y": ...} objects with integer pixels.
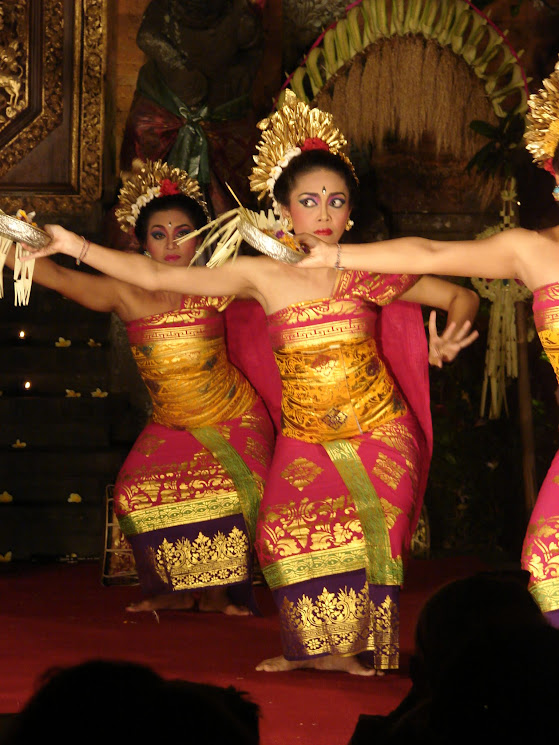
[
  {"x": 188, "y": 493},
  {"x": 349, "y": 469}
]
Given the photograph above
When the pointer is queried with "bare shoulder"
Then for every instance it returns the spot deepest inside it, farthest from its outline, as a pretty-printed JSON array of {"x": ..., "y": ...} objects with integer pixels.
[{"x": 254, "y": 265}]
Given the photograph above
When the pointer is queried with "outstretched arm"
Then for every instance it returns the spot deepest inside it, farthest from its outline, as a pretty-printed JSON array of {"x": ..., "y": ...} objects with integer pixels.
[
  {"x": 495, "y": 257},
  {"x": 94, "y": 292},
  {"x": 229, "y": 279}
]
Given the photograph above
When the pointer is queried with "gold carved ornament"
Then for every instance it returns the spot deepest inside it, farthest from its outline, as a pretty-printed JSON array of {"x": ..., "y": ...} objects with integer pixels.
[{"x": 542, "y": 120}]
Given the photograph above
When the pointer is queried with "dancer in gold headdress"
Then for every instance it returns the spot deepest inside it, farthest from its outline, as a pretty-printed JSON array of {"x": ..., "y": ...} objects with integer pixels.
[
  {"x": 188, "y": 493},
  {"x": 349, "y": 468},
  {"x": 528, "y": 255}
]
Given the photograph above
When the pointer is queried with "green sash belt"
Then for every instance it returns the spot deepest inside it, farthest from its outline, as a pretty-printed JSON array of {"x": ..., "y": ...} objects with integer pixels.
[
  {"x": 242, "y": 476},
  {"x": 382, "y": 568}
]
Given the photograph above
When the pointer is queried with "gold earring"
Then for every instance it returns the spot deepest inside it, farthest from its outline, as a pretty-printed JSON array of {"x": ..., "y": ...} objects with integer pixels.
[
  {"x": 287, "y": 223},
  {"x": 349, "y": 224},
  {"x": 147, "y": 253}
]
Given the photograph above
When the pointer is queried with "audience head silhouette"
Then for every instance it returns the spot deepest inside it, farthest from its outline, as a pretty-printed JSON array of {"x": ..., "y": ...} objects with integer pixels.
[{"x": 123, "y": 701}]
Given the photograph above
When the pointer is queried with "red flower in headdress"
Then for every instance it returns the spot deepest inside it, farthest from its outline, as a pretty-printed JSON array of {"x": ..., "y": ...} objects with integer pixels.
[
  {"x": 314, "y": 143},
  {"x": 168, "y": 187},
  {"x": 548, "y": 165}
]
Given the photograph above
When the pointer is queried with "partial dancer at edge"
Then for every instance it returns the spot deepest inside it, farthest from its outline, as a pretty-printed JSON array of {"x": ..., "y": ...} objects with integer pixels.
[
  {"x": 527, "y": 255},
  {"x": 345, "y": 488},
  {"x": 187, "y": 495}
]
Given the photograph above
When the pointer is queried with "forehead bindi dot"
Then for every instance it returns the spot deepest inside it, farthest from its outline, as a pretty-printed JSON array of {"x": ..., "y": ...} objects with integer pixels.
[{"x": 324, "y": 190}]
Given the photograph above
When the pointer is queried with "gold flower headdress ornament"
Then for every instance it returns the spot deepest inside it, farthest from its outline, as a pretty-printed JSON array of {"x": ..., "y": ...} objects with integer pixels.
[
  {"x": 291, "y": 130},
  {"x": 542, "y": 120},
  {"x": 148, "y": 181}
]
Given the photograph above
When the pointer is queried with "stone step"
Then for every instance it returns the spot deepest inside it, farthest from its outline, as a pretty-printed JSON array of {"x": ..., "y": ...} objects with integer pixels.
[
  {"x": 53, "y": 369},
  {"x": 48, "y": 316},
  {"x": 68, "y": 423},
  {"x": 32, "y": 531},
  {"x": 32, "y": 467}
]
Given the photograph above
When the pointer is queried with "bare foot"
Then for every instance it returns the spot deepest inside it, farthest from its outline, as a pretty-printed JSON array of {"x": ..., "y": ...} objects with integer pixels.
[
  {"x": 216, "y": 600},
  {"x": 349, "y": 665},
  {"x": 167, "y": 601}
]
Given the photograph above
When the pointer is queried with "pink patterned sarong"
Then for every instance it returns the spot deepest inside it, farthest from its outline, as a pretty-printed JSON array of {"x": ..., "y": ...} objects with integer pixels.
[
  {"x": 188, "y": 494},
  {"x": 348, "y": 474}
]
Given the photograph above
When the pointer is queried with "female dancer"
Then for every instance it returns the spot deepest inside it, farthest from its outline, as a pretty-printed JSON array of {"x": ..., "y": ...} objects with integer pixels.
[
  {"x": 187, "y": 495},
  {"x": 345, "y": 487},
  {"x": 528, "y": 255}
]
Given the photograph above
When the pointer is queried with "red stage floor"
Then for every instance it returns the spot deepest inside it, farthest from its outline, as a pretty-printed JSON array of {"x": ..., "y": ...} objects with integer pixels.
[{"x": 60, "y": 614}]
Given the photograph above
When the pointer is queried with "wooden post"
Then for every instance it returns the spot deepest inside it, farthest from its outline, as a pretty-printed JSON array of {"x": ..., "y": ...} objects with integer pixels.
[{"x": 525, "y": 412}]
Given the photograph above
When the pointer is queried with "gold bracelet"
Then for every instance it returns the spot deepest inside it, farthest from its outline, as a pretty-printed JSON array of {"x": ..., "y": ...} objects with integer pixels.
[
  {"x": 83, "y": 252},
  {"x": 337, "y": 265}
]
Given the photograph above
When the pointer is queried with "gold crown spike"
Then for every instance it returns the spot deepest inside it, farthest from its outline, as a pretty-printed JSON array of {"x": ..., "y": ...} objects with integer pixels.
[
  {"x": 148, "y": 181},
  {"x": 542, "y": 120},
  {"x": 290, "y": 130}
]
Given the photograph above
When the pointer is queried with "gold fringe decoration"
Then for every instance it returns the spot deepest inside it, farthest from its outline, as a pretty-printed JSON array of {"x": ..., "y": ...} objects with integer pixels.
[
  {"x": 23, "y": 276},
  {"x": 501, "y": 357},
  {"x": 5, "y": 244},
  {"x": 23, "y": 270}
]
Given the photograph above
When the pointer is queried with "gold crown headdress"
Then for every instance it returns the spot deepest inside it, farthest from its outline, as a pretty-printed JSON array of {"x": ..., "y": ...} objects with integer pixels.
[
  {"x": 289, "y": 131},
  {"x": 148, "y": 181},
  {"x": 542, "y": 120}
]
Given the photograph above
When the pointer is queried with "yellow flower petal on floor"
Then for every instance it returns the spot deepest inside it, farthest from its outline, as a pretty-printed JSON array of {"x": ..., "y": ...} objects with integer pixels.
[
  {"x": 74, "y": 497},
  {"x": 98, "y": 393},
  {"x": 6, "y": 497},
  {"x": 62, "y": 342}
]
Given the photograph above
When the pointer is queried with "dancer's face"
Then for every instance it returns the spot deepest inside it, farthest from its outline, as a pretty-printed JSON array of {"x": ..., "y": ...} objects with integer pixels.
[
  {"x": 319, "y": 204},
  {"x": 163, "y": 229}
]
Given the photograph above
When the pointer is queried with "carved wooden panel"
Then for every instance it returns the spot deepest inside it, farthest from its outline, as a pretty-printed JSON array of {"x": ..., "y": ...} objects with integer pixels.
[{"x": 52, "y": 67}]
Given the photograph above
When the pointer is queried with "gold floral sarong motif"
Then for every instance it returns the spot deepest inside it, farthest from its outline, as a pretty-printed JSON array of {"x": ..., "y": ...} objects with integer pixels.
[
  {"x": 343, "y": 621},
  {"x": 204, "y": 562}
]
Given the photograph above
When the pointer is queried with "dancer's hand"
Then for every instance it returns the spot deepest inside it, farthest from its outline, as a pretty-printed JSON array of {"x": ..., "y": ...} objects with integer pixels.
[
  {"x": 320, "y": 254},
  {"x": 62, "y": 241},
  {"x": 444, "y": 348}
]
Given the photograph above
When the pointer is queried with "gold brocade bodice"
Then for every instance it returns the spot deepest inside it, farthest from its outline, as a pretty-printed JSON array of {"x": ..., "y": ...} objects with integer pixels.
[
  {"x": 182, "y": 358},
  {"x": 335, "y": 385},
  {"x": 546, "y": 318}
]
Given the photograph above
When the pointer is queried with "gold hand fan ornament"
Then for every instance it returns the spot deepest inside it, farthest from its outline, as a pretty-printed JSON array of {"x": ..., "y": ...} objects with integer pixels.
[
  {"x": 261, "y": 230},
  {"x": 20, "y": 229},
  {"x": 293, "y": 129}
]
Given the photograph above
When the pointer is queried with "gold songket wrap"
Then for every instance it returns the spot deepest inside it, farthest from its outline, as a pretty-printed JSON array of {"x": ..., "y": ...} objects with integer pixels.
[{"x": 183, "y": 362}]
